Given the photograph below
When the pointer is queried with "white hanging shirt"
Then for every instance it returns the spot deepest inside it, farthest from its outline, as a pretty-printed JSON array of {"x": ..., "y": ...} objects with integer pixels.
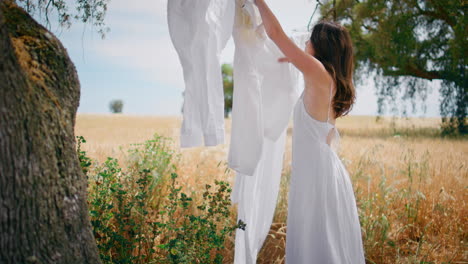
[{"x": 199, "y": 30}]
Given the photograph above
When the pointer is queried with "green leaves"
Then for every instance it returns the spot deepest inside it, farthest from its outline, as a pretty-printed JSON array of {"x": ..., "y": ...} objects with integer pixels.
[
  {"x": 194, "y": 235},
  {"x": 405, "y": 44},
  {"x": 85, "y": 11},
  {"x": 85, "y": 161},
  {"x": 125, "y": 210},
  {"x": 228, "y": 87}
]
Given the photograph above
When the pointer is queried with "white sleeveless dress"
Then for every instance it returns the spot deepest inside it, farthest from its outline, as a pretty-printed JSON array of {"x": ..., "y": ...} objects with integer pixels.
[{"x": 322, "y": 224}]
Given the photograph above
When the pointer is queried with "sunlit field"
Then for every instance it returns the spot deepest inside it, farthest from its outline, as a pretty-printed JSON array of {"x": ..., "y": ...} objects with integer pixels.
[{"x": 410, "y": 183}]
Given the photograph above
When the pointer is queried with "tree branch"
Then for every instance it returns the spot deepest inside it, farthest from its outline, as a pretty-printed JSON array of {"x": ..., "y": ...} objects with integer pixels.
[
  {"x": 412, "y": 70},
  {"x": 441, "y": 16}
]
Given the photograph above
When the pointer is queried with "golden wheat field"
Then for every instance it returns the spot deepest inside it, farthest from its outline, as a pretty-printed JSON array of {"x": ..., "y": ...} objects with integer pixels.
[{"x": 411, "y": 185}]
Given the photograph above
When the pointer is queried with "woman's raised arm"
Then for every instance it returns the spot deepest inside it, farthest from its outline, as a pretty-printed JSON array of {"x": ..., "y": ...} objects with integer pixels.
[{"x": 305, "y": 62}]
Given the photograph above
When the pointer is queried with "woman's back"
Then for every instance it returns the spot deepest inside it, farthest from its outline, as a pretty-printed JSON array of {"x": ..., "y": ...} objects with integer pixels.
[{"x": 317, "y": 99}]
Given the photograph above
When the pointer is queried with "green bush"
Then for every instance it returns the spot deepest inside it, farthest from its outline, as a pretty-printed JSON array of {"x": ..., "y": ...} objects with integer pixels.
[
  {"x": 124, "y": 207},
  {"x": 190, "y": 238}
]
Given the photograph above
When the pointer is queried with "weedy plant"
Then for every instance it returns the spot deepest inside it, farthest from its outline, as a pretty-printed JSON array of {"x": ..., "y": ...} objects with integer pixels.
[
  {"x": 188, "y": 238},
  {"x": 124, "y": 207},
  {"x": 400, "y": 217}
]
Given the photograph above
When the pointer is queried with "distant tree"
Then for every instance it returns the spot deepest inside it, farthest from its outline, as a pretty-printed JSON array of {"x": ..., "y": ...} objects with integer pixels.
[
  {"x": 405, "y": 43},
  {"x": 116, "y": 106},
  {"x": 228, "y": 86}
]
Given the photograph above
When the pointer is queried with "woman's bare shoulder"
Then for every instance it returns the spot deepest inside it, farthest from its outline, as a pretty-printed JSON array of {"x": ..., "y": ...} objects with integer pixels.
[{"x": 318, "y": 83}]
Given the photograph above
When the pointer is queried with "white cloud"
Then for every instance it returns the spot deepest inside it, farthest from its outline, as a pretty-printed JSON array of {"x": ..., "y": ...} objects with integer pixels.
[
  {"x": 142, "y": 45},
  {"x": 153, "y": 57},
  {"x": 156, "y": 8}
]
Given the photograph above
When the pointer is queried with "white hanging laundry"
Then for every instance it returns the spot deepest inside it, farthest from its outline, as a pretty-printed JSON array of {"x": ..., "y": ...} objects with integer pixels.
[
  {"x": 256, "y": 196},
  {"x": 264, "y": 90},
  {"x": 264, "y": 95},
  {"x": 199, "y": 31}
]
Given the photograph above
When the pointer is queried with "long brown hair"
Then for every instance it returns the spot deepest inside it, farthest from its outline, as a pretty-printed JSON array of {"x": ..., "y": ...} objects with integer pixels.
[{"x": 333, "y": 47}]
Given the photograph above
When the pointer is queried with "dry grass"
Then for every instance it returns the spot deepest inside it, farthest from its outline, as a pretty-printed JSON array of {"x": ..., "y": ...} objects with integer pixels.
[{"x": 410, "y": 184}]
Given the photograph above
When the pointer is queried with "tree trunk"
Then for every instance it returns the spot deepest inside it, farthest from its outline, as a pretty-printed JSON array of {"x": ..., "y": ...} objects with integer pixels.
[{"x": 43, "y": 208}]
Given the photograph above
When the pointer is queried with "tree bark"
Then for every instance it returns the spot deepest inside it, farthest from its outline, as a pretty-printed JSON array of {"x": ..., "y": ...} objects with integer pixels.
[{"x": 43, "y": 209}]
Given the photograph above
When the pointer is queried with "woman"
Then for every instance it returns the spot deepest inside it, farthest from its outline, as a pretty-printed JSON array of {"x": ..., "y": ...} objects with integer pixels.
[{"x": 322, "y": 224}]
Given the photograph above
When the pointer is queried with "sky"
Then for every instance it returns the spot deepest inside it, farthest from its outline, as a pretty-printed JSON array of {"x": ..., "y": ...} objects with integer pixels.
[{"x": 137, "y": 63}]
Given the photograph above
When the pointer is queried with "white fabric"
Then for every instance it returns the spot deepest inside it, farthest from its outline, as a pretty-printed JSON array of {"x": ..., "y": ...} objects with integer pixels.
[
  {"x": 257, "y": 197},
  {"x": 264, "y": 90},
  {"x": 323, "y": 223},
  {"x": 264, "y": 95},
  {"x": 199, "y": 31}
]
